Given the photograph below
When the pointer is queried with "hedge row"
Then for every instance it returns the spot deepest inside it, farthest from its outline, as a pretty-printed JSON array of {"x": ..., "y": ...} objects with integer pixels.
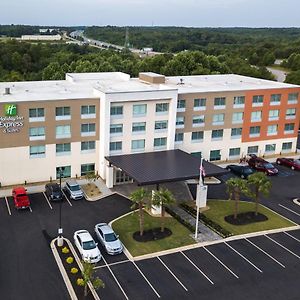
[
  {"x": 179, "y": 219},
  {"x": 206, "y": 221}
]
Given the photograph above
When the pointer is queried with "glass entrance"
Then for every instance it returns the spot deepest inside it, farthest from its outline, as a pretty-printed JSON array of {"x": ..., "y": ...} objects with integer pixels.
[{"x": 121, "y": 177}]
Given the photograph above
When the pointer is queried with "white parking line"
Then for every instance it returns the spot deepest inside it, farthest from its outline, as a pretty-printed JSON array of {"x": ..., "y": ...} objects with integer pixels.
[
  {"x": 218, "y": 260},
  {"x": 242, "y": 256},
  {"x": 291, "y": 236},
  {"x": 112, "y": 264},
  {"x": 67, "y": 198},
  {"x": 47, "y": 201},
  {"x": 154, "y": 290},
  {"x": 283, "y": 247},
  {"x": 197, "y": 267},
  {"x": 290, "y": 210},
  {"x": 264, "y": 252},
  {"x": 115, "y": 278},
  {"x": 30, "y": 208},
  {"x": 8, "y": 208},
  {"x": 172, "y": 274}
]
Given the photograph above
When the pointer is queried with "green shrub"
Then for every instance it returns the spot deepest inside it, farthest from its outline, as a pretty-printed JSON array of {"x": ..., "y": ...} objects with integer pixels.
[
  {"x": 65, "y": 250},
  {"x": 70, "y": 260},
  {"x": 74, "y": 270},
  {"x": 80, "y": 282}
]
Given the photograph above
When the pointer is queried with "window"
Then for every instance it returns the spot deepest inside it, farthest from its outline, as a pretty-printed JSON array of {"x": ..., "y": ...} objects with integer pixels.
[
  {"x": 36, "y": 133},
  {"x": 138, "y": 144},
  {"x": 289, "y": 128},
  {"x": 88, "y": 111},
  {"x": 290, "y": 113},
  {"x": 181, "y": 105},
  {"x": 116, "y": 129},
  {"x": 179, "y": 137},
  {"x": 88, "y": 146},
  {"x": 256, "y": 116},
  {"x": 273, "y": 114},
  {"x": 219, "y": 102},
  {"x": 218, "y": 119},
  {"x": 160, "y": 142},
  {"x": 161, "y": 125},
  {"x": 254, "y": 131},
  {"x": 63, "y": 131},
  {"x": 87, "y": 168},
  {"x": 275, "y": 99},
  {"x": 215, "y": 155},
  {"x": 270, "y": 148},
  {"x": 234, "y": 151},
  {"x": 37, "y": 151},
  {"x": 238, "y": 101},
  {"x": 287, "y": 146},
  {"x": 115, "y": 146},
  {"x": 139, "y": 127},
  {"x": 116, "y": 111},
  {"x": 63, "y": 148},
  {"x": 217, "y": 134},
  {"x": 293, "y": 98},
  {"x": 36, "y": 115},
  {"x": 139, "y": 110},
  {"x": 162, "y": 108},
  {"x": 179, "y": 122},
  {"x": 65, "y": 174},
  {"x": 272, "y": 130},
  {"x": 252, "y": 150},
  {"x": 198, "y": 121},
  {"x": 257, "y": 100},
  {"x": 236, "y": 133},
  {"x": 197, "y": 136},
  {"x": 63, "y": 113},
  {"x": 200, "y": 104},
  {"x": 88, "y": 129},
  {"x": 237, "y": 117}
]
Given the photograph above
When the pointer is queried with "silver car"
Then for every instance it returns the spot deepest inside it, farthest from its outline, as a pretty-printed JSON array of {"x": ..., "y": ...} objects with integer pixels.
[
  {"x": 108, "y": 239},
  {"x": 73, "y": 189}
]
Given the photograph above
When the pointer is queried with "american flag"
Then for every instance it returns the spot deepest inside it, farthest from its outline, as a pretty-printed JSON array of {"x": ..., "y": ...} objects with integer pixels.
[{"x": 202, "y": 171}]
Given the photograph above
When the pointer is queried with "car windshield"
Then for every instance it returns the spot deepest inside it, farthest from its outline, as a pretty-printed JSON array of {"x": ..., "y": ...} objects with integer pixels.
[
  {"x": 110, "y": 237},
  {"x": 88, "y": 245},
  {"x": 55, "y": 188},
  {"x": 248, "y": 170},
  {"x": 268, "y": 166},
  {"x": 21, "y": 195},
  {"x": 74, "y": 188}
]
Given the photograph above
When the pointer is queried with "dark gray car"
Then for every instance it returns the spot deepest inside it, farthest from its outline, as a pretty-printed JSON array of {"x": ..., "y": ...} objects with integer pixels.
[{"x": 53, "y": 192}]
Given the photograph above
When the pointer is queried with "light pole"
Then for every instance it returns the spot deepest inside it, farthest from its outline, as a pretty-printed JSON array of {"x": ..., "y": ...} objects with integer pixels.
[
  {"x": 60, "y": 240},
  {"x": 197, "y": 196}
]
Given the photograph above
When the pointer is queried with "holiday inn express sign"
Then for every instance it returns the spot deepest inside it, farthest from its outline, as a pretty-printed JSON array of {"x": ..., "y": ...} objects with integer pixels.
[{"x": 11, "y": 122}]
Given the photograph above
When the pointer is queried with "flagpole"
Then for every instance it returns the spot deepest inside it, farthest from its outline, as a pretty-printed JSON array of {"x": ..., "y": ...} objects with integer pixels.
[{"x": 198, "y": 208}]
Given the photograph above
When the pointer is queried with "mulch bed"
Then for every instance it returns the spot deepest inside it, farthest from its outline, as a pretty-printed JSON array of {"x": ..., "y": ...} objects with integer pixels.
[
  {"x": 152, "y": 235},
  {"x": 246, "y": 218}
]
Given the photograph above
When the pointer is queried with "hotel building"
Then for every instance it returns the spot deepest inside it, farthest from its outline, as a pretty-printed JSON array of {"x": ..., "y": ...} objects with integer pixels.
[{"x": 79, "y": 121}]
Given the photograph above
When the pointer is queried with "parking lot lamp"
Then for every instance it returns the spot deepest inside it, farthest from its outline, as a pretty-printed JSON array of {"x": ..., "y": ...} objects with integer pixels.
[{"x": 60, "y": 240}]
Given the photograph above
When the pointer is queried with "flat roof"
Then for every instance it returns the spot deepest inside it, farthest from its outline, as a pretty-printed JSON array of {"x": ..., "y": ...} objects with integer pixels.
[{"x": 163, "y": 166}]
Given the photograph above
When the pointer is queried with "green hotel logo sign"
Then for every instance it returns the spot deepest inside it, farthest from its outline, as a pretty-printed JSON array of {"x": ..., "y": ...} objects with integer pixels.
[{"x": 10, "y": 110}]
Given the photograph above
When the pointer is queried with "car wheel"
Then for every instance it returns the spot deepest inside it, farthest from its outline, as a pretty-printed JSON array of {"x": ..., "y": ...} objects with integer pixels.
[{"x": 292, "y": 167}]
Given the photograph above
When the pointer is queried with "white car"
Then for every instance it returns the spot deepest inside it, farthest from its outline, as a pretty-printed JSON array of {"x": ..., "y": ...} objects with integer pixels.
[
  {"x": 87, "y": 246},
  {"x": 108, "y": 239}
]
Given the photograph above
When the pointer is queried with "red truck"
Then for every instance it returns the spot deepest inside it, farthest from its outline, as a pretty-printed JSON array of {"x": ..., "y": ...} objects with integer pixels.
[{"x": 21, "y": 199}]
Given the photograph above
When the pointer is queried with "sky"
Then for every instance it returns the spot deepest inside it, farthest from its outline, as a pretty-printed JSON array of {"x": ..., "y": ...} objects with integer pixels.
[{"x": 191, "y": 13}]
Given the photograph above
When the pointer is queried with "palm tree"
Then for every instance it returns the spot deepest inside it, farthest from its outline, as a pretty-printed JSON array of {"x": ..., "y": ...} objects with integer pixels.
[
  {"x": 236, "y": 187},
  {"x": 261, "y": 184},
  {"x": 140, "y": 197},
  {"x": 162, "y": 198}
]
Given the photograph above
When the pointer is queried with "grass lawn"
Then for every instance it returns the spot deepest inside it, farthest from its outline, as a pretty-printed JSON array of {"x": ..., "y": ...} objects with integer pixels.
[
  {"x": 219, "y": 209},
  {"x": 129, "y": 224}
]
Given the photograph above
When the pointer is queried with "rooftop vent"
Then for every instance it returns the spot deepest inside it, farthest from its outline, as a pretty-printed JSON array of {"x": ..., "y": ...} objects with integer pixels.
[
  {"x": 7, "y": 91},
  {"x": 181, "y": 81}
]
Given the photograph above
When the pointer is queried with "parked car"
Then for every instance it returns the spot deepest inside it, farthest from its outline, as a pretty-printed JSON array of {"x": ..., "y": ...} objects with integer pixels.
[
  {"x": 21, "y": 199},
  {"x": 294, "y": 164},
  {"x": 242, "y": 171},
  {"x": 87, "y": 247},
  {"x": 73, "y": 189},
  {"x": 108, "y": 239},
  {"x": 53, "y": 192},
  {"x": 262, "y": 165}
]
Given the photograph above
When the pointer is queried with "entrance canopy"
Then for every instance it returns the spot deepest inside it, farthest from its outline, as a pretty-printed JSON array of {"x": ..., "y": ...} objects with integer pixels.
[{"x": 163, "y": 166}]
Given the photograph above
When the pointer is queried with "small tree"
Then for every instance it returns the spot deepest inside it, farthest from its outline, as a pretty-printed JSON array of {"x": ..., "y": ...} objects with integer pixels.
[
  {"x": 259, "y": 183},
  {"x": 236, "y": 187},
  {"x": 162, "y": 197},
  {"x": 140, "y": 197},
  {"x": 88, "y": 275},
  {"x": 91, "y": 176}
]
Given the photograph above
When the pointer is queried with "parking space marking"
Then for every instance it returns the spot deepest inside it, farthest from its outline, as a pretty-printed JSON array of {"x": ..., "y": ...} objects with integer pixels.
[
  {"x": 47, "y": 201},
  {"x": 218, "y": 260},
  {"x": 30, "y": 208},
  {"x": 115, "y": 278},
  {"x": 67, "y": 198},
  {"x": 112, "y": 264},
  {"x": 245, "y": 258},
  {"x": 8, "y": 208},
  {"x": 172, "y": 273},
  {"x": 290, "y": 210},
  {"x": 266, "y": 253},
  {"x": 197, "y": 267},
  {"x": 283, "y": 247},
  {"x": 291, "y": 236},
  {"x": 146, "y": 279}
]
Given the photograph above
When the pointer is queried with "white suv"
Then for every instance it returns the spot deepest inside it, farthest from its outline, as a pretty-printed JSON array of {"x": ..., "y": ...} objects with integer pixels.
[{"x": 73, "y": 189}]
